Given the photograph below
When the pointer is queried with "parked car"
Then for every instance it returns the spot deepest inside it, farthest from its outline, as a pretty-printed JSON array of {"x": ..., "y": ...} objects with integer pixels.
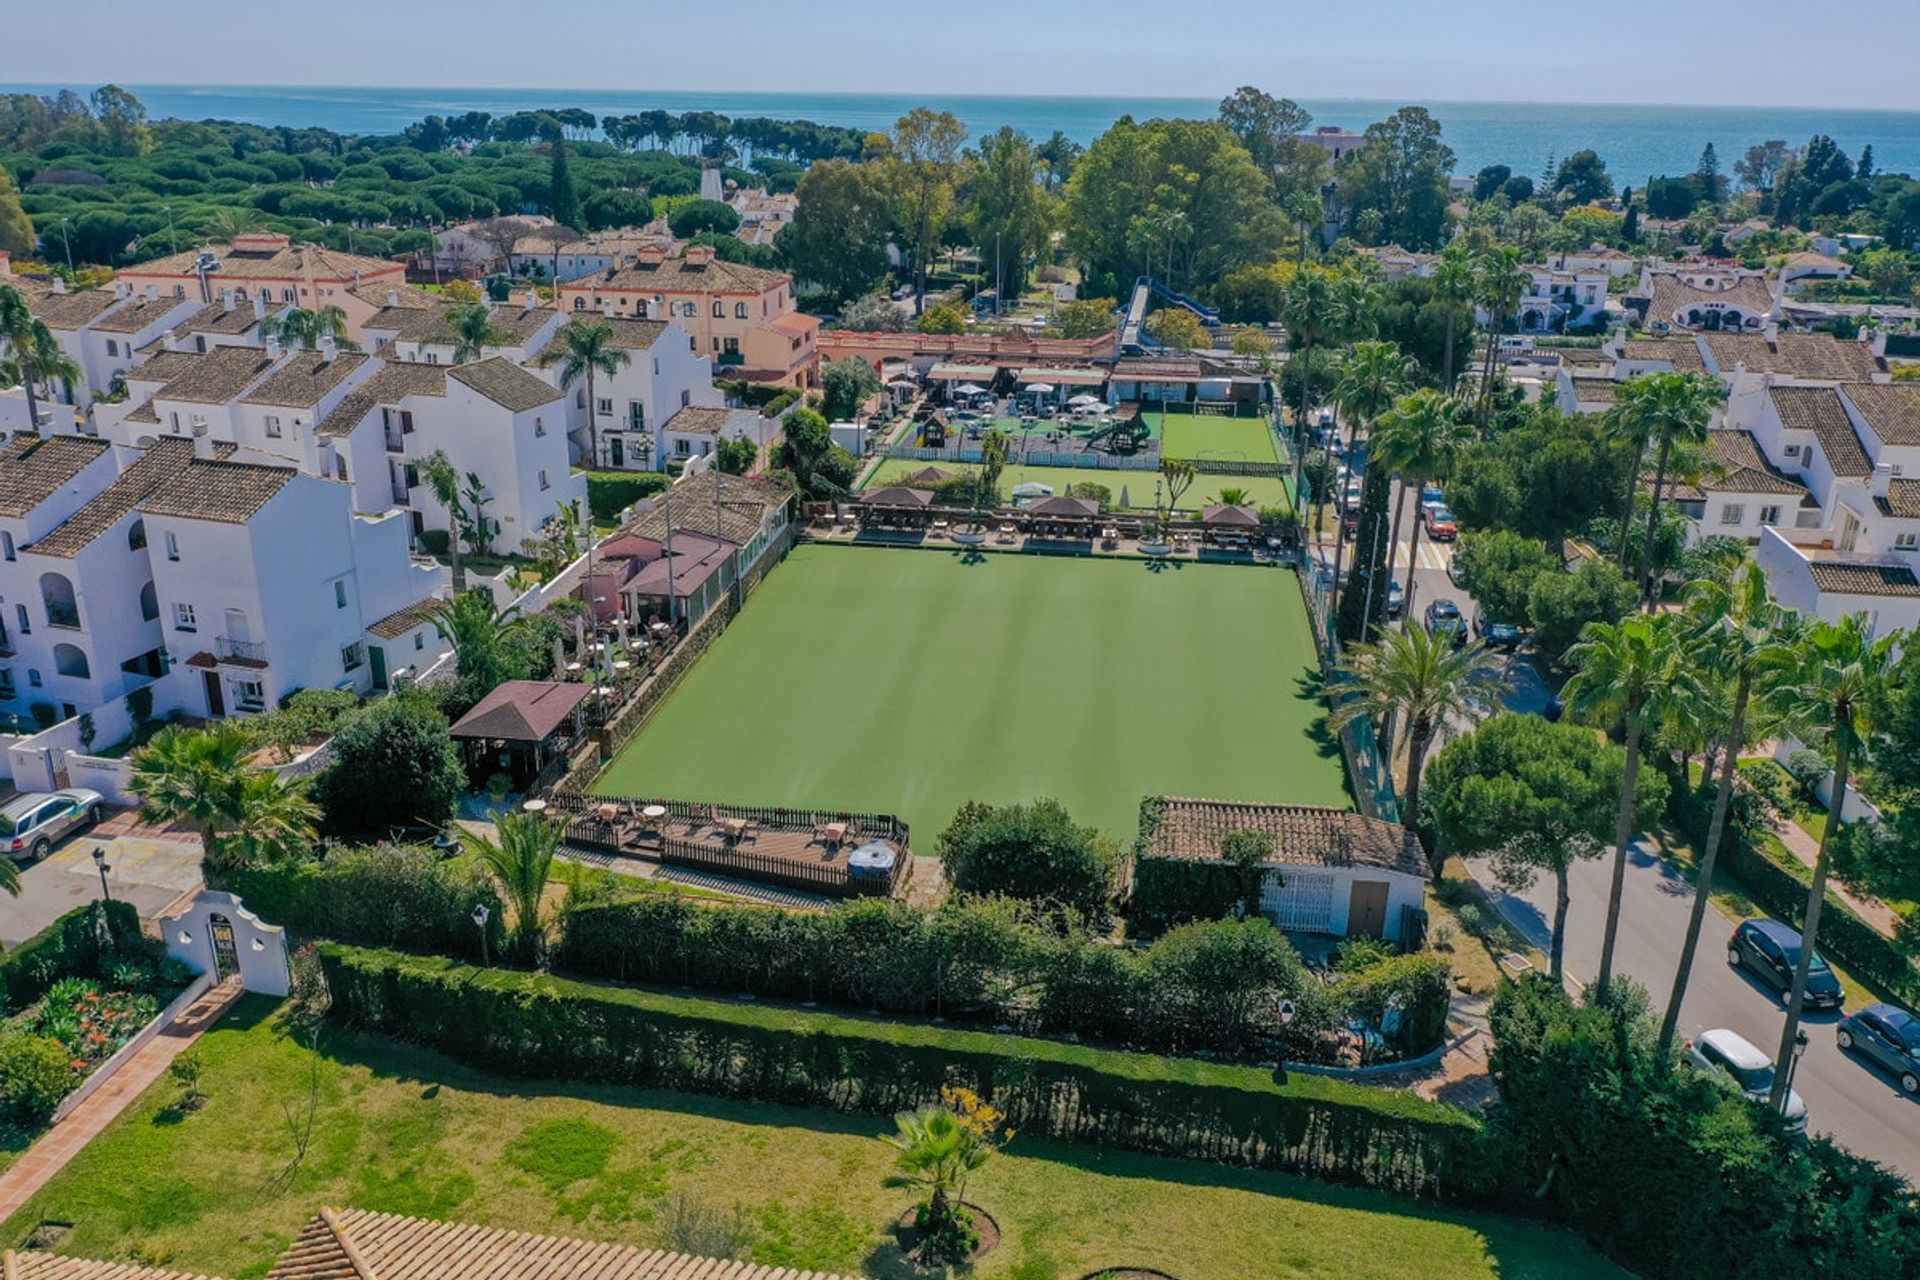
[
  {"x": 1432, "y": 498},
  {"x": 1887, "y": 1037},
  {"x": 30, "y": 825},
  {"x": 1498, "y": 635},
  {"x": 1396, "y": 599},
  {"x": 1444, "y": 618},
  {"x": 1734, "y": 1056},
  {"x": 1440, "y": 525},
  {"x": 1771, "y": 951}
]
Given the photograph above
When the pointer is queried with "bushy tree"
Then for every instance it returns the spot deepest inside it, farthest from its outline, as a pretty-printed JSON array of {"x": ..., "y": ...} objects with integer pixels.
[
  {"x": 948, "y": 317},
  {"x": 1498, "y": 568},
  {"x": 1401, "y": 172},
  {"x": 394, "y": 765},
  {"x": 838, "y": 237},
  {"x": 689, "y": 220},
  {"x": 845, "y": 385},
  {"x": 1033, "y": 851},
  {"x": 1562, "y": 604}
]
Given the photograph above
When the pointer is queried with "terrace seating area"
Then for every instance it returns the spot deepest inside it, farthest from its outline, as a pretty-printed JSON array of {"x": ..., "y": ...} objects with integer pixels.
[
  {"x": 902, "y": 516},
  {"x": 841, "y": 854}
]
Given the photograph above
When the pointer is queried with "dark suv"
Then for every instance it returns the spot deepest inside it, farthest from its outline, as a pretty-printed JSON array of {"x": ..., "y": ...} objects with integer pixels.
[{"x": 1771, "y": 951}]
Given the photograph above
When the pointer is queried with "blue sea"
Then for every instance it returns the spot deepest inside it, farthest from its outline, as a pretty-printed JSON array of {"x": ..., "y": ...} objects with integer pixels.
[{"x": 1636, "y": 141}]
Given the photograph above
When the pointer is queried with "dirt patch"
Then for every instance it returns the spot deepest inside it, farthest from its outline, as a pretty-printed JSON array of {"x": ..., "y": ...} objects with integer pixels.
[
  {"x": 907, "y": 1231},
  {"x": 48, "y": 1236},
  {"x": 1127, "y": 1273}
]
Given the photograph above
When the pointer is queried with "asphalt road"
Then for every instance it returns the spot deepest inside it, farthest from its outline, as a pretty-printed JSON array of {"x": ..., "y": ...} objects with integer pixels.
[
  {"x": 148, "y": 873},
  {"x": 1847, "y": 1099}
]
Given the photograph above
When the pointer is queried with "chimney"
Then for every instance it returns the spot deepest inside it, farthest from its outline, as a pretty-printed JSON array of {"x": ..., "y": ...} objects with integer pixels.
[
  {"x": 202, "y": 443},
  {"x": 273, "y": 349},
  {"x": 1881, "y": 480},
  {"x": 121, "y": 289},
  {"x": 259, "y": 306},
  {"x": 606, "y": 307},
  {"x": 652, "y": 255},
  {"x": 170, "y": 340},
  {"x": 328, "y": 348},
  {"x": 153, "y": 292},
  {"x": 699, "y": 255},
  {"x": 531, "y": 300},
  {"x": 393, "y": 297},
  {"x": 59, "y": 285},
  {"x": 226, "y": 299}
]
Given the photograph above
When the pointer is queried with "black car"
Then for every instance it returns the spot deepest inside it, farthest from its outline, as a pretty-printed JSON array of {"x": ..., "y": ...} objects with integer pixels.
[
  {"x": 1498, "y": 635},
  {"x": 1444, "y": 618},
  {"x": 1771, "y": 951}
]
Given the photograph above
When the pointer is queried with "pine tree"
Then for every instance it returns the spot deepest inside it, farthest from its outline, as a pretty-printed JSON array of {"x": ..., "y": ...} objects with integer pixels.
[
  {"x": 1707, "y": 175},
  {"x": 1864, "y": 170},
  {"x": 16, "y": 231},
  {"x": 563, "y": 197}
]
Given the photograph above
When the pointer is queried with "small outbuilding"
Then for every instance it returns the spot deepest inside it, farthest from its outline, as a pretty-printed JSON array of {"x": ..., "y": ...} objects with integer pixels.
[{"x": 521, "y": 728}]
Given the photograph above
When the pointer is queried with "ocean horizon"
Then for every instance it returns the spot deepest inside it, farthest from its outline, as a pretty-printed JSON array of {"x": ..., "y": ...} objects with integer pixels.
[{"x": 1637, "y": 141}]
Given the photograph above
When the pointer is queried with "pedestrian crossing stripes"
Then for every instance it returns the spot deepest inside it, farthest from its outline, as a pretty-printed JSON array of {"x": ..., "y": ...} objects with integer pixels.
[{"x": 1433, "y": 555}]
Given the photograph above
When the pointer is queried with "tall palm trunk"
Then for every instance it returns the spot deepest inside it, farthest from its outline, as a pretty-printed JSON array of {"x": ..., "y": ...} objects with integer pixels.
[
  {"x": 1810, "y": 927},
  {"x": 1340, "y": 545},
  {"x": 1622, "y": 836},
  {"x": 1300, "y": 449},
  {"x": 1419, "y": 734},
  {"x": 1653, "y": 517},
  {"x": 28, "y": 375},
  {"x": 1557, "y": 945},
  {"x": 1626, "y": 506},
  {"x": 1486, "y": 369},
  {"x": 1446, "y": 381},
  {"x": 1406, "y": 605},
  {"x": 1416, "y": 483},
  {"x": 1729, "y": 766},
  {"x": 593, "y": 425}
]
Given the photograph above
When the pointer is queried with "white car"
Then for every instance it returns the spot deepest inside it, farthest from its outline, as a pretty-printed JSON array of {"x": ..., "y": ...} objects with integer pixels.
[
  {"x": 30, "y": 825},
  {"x": 1734, "y": 1057}
]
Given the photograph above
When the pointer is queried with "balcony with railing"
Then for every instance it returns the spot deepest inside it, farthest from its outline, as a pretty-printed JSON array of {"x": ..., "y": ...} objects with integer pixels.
[{"x": 240, "y": 653}]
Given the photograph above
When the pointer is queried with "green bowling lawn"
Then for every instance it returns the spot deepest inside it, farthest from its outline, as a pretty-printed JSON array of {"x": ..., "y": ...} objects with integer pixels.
[{"x": 911, "y": 681}]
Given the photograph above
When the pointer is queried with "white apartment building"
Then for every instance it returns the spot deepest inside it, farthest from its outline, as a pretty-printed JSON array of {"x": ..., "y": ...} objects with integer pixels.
[
  {"x": 663, "y": 376},
  {"x": 268, "y": 582},
  {"x": 1557, "y": 300}
]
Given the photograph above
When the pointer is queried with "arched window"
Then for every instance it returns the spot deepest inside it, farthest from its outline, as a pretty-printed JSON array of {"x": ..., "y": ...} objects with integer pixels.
[
  {"x": 71, "y": 660},
  {"x": 286, "y": 295},
  {"x": 137, "y": 535},
  {"x": 739, "y": 311},
  {"x": 719, "y": 310},
  {"x": 579, "y": 303},
  {"x": 63, "y": 608},
  {"x": 149, "y": 604}
]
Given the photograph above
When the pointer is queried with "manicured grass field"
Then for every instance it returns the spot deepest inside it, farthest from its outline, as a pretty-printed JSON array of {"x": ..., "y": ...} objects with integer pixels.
[
  {"x": 910, "y": 681},
  {"x": 1265, "y": 491},
  {"x": 398, "y": 1129},
  {"x": 1189, "y": 435}
]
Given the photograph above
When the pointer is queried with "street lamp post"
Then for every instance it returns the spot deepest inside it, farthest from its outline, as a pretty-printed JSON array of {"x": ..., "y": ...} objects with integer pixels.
[
  {"x": 100, "y": 863},
  {"x": 1793, "y": 1067},
  {"x": 480, "y": 914},
  {"x": 1285, "y": 1009}
]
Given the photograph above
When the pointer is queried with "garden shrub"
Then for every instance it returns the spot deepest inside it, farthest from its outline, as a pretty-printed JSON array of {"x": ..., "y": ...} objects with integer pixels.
[
  {"x": 36, "y": 1072},
  {"x": 535, "y": 1026},
  {"x": 1419, "y": 986},
  {"x": 434, "y": 542},
  {"x": 1171, "y": 891},
  {"x": 394, "y": 766},
  {"x": 1032, "y": 851},
  {"x": 70, "y": 947},
  {"x": 385, "y": 897},
  {"x": 611, "y": 492}
]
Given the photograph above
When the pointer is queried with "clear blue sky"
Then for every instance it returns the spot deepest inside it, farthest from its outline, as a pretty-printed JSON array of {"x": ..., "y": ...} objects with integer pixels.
[{"x": 1851, "y": 53}]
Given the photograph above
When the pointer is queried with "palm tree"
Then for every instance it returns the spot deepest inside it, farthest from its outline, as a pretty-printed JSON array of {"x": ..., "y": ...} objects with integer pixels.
[
  {"x": 1630, "y": 675},
  {"x": 477, "y": 635},
  {"x": 226, "y": 224},
  {"x": 274, "y": 820},
  {"x": 520, "y": 862},
  {"x": 935, "y": 1153},
  {"x": 1670, "y": 410},
  {"x": 582, "y": 349},
  {"x": 1737, "y": 631},
  {"x": 993, "y": 460},
  {"x": 1304, "y": 312},
  {"x": 443, "y": 478},
  {"x": 1419, "y": 439},
  {"x": 1500, "y": 281},
  {"x": 473, "y": 331},
  {"x": 1828, "y": 686},
  {"x": 1453, "y": 290},
  {"x": 33, "y": 354},
  {"x": 1421, "y": 676},
  {"x": 192, "y": 776},
  {"x": 304, "y": 328},
  {"x": 1371, "y": 375}
]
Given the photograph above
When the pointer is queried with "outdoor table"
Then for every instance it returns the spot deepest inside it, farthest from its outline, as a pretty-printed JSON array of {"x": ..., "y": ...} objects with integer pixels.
[
  {"x": 621, "y": 664},
  {"x": 573, "y": 668},
  {"x": 535, "y": 806},
  {"x": 607, "y": 812},
  {"x": 654, "y": 812},
  {"x": 734, "y": 827},
  {"x": 834, "y": 832}
]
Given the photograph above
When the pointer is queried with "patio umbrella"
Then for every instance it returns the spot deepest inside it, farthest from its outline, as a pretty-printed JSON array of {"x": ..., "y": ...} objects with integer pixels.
[
  {"x": 1125, "y": 500},
  {"x": 1042, "y": 388},
  {"x": 1032, "y": 489},
  {"x": 1081, "y": 402},
  {"x": 903, "y": 384},
  {"x": 559, "y": 658},
  {"x": 969, "y": 389}
]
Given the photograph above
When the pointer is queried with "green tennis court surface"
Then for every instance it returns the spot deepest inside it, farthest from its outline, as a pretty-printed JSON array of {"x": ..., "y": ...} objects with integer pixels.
[
  {"x": 1220, "y": 439},
  {"x": 910, "y": 682}
]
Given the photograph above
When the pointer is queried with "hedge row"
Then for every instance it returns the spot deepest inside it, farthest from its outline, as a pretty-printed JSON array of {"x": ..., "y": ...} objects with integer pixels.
[
  {"x": 1860, "y": 948},
  {"x": 69, "y": 947},
  {"x": 611, "y": 492},
  {"x": 530, "y": 1025},
  {"x": 378, "y": 897}
]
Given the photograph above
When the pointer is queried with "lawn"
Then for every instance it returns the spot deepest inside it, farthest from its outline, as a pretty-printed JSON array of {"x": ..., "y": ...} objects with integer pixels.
[
  {"x": 1191, "y": 435},
  {"x": 910, "y": 681},
  {"x": 399, "y": 1129},
  {"x": 1265, "y": 491}
]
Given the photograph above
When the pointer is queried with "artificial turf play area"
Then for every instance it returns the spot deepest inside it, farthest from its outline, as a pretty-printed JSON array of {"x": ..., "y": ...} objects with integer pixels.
[{"x": 911, "y": 681}]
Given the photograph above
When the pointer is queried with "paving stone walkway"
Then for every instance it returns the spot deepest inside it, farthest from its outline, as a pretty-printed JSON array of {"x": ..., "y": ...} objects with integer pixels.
[{"x": 58, "y": 1145}]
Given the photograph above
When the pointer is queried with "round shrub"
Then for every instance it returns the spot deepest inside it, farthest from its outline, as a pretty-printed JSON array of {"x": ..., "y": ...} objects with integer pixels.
[{"x": 35, "y": 1073}]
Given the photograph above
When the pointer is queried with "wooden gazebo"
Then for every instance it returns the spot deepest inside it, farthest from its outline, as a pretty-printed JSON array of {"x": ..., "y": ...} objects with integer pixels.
[
  {"x": 896, "y": 505},
  {"x": 1230, "y": 526},
  {"x": 521, "y": 728}
]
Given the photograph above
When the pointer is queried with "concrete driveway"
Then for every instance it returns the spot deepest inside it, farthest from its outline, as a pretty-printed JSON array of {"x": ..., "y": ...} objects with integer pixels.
[{"x": 147, "y": 871}]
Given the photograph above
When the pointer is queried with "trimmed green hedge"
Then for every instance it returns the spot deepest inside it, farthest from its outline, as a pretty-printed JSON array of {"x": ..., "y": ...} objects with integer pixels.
[
  {"x": 379, "y": 897},
  {"x": 611, "y": 492},
  {"x": 69, "y": 947},
  {"x": 531, "y": 1025},
  {"x": 1861, "y": 949}
]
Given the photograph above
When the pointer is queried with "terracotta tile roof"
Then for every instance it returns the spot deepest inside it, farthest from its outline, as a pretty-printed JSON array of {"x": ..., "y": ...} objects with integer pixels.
[
  {"x": 628, "y": 335},
  {"x": 1902, "y": 501},
  {"x": 506, "y": 384},
  {"x": 1858, "y": 579},
  {"x": 225, "y": 492},
  {"x": 896, "y": 496},
  {"x": 1672, "y": 297},
  {"x": 269, "y": 262},
  {"x": 153, "y": 470},
  {"x": 25, "y": 1264},
  {"x": 409, "y": 323},
  {"x": 1595, "y": 390},
  {"x": 794, "y": 324},
  {"x": 71, "y": 310},
  {"x": 1682, "y": 353},
  {"x": 696, "y": 420},
  {"x": 394, "y": 383},
  {"x": 402, "y": 295},
  {"x": 1818, "y": 409},
  {"x": 1303, "y": 835},
  {"x": 218, "y": 317},
  {"x": 1065, "y": 508},
  {"x": 355, "y": 1244},
  {"x": 137, "y": 314},
  {"x": 215, "y": 376},
  {"x": 1821, "y": 355},
  {"x": 305, "y": 378},
  {"x": 743, "y": 505},
  {"x": 1742, "y": 468},
  {"x": 1891, "y": 409},
  {"x": 521, "y": 711},
  {"x": 33, "y": 470},
  {"x": 676, "y": 275},
  {"x": 1233, "y": 516},
  {"x": 162, "y": 367},
  {"x": 401, "y": 621}
]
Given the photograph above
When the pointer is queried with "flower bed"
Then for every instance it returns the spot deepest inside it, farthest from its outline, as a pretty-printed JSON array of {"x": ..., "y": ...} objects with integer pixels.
[{"x": 89, "y": 1020}]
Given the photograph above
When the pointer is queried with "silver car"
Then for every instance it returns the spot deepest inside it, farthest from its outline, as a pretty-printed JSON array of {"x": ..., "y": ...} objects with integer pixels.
[
  {"x": 1736, "y": 1059},
  {"x": 31, "y": 825}
]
